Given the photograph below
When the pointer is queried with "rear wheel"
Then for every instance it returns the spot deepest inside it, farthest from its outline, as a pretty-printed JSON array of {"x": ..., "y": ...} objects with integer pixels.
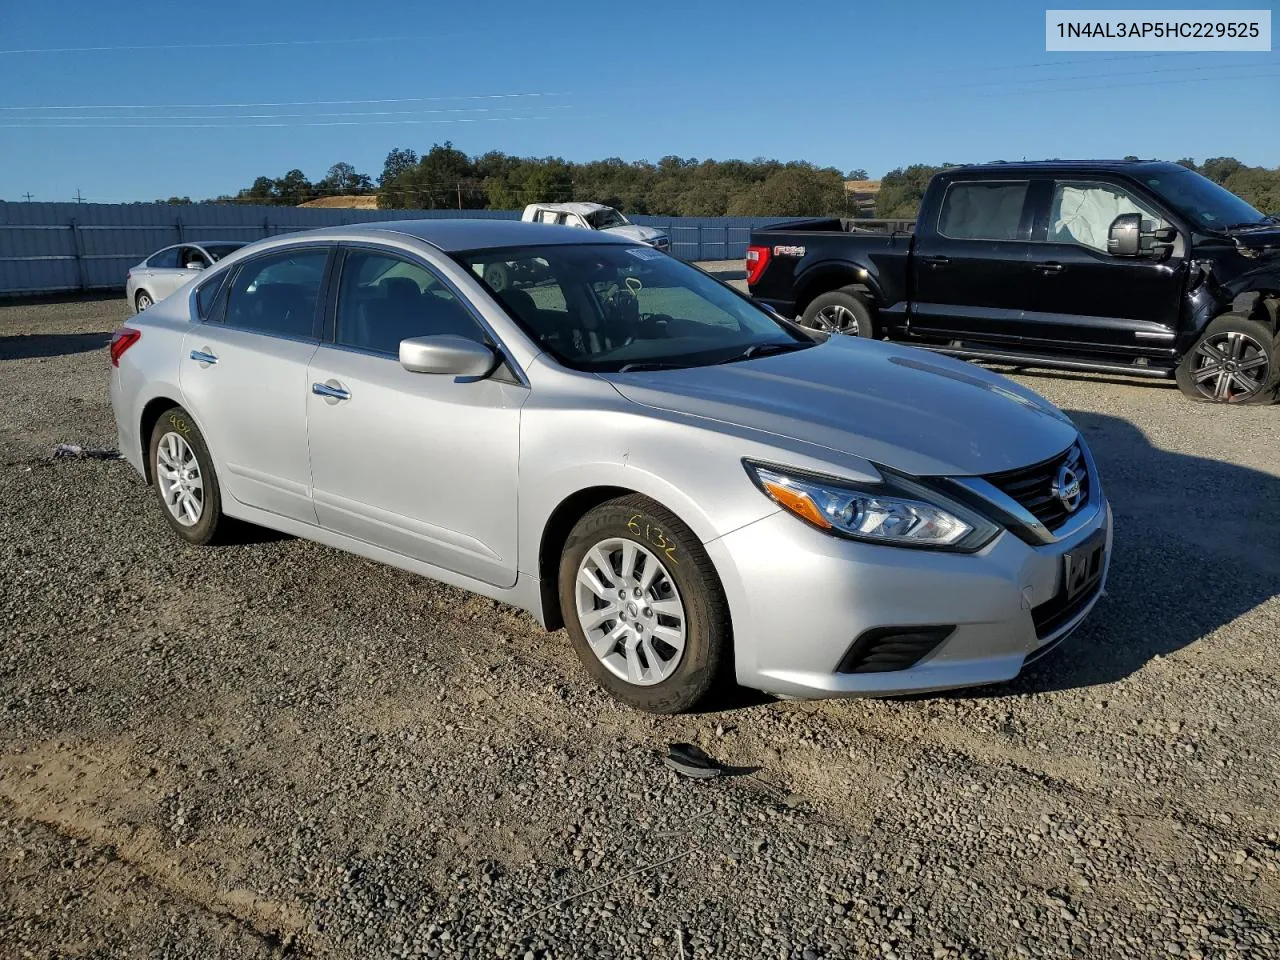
[
  {"x": 1237, "y": 360},
  {"x": 142, "y": 300},
  {"x": 840, "y": 311},
  {"x": 185, "y": 480},
  {"x": 643, "y": 606}
]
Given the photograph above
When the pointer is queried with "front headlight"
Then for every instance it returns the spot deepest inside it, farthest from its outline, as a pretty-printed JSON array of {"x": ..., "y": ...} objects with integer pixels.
[{"x": 897, "y": 512}]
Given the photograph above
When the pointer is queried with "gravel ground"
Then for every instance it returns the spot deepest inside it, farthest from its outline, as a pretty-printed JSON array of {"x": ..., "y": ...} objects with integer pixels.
[{"x": 276, "y": 749}]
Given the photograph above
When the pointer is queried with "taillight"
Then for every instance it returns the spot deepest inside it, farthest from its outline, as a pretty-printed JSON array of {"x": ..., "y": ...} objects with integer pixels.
[
  {"x": 122, "y": 340},
  {"x": 757, "y": 260}
]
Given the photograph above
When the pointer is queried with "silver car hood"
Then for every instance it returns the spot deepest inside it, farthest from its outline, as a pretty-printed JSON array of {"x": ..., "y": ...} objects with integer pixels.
[
  {"x": 914, "y": 411},
  {"x": 634, "y": 231}
]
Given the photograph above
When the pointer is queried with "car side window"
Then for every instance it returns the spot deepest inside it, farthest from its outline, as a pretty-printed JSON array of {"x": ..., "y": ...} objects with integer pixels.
[
  {"x": 977, "y": 210},
  {"x": 164, "y": 259},
  {"x": 192, "y": 255},
  {"x": 383, "y": 299},
  {"x": 207, "y": 294},
  {"x": 1082, "y": 212},
  {"x": 278, "y": 293}
]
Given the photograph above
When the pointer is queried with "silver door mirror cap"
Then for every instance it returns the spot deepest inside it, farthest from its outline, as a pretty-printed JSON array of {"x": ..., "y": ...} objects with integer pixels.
[
  {"x": 447, "y": 354},
  {"x": 195, "y": 265}
]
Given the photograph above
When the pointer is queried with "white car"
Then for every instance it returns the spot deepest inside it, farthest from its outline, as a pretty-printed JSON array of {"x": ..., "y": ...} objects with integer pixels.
[
  {"x": 169, "y": 268},
  {"x": 595, "y": 216}
]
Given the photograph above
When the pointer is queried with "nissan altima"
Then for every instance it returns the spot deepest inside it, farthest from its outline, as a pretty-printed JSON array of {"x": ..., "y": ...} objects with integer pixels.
[{"x": 696, "y": 489}]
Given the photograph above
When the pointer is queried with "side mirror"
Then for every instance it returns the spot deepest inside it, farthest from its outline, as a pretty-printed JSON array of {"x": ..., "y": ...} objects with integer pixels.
[
  {"x": 447, "y": 354},
  {"x": 1125, "y": 236},
  {"x": 195, "y": 265}
]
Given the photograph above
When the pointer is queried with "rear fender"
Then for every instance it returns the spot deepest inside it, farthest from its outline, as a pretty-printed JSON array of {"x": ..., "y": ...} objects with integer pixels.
[{"x": 835, "y": 275}]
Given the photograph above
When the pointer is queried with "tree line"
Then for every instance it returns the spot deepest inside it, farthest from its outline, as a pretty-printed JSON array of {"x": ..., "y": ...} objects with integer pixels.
[{"x": 445, "y": 178}]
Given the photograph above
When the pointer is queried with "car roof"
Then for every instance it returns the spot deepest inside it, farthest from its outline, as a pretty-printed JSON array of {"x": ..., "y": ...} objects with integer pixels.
[
  {"x": 474, "y": 234},
  {"x": 580, "y": 207},
  {"x": 1131, "y": 167}
]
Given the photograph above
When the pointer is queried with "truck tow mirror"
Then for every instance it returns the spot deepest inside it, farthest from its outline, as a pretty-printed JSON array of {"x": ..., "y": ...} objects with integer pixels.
[{"x": 1125, "y": 236}]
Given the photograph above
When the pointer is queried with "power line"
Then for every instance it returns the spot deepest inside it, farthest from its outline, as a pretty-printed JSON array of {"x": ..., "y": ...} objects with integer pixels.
[
  {"x": 216, "y": 46},
  {"x": 266, "y": 126},
  {"x": 276, "y": 116},
  {"x": 282, "y": 103}
]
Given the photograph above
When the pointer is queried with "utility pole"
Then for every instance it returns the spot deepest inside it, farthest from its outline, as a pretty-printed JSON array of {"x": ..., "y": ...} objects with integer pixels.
[
  {"x": 79, "y": 199},
  {"x": 459, "y": 194},
  {"x": 27, "y": 196}
]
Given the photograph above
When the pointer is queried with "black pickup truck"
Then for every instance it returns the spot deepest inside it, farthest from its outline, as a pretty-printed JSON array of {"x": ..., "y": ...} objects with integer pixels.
[{"x": 1131, "y": 267}]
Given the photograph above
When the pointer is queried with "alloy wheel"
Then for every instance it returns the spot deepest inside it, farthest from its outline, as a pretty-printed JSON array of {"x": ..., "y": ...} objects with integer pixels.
[
  {"x": 1231, "y": 367},
  {"x": 837, "y": 319},
  {"x": 144, "y": 301},
  {"x": 630, "y": 611},
  {"x": 178, "y": 474}
]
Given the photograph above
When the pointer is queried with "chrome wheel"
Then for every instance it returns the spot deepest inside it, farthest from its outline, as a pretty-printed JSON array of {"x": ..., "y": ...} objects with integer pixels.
[
  {"x": 836, "y": 319},
  {"x": 1231, "y": 367},
  {"x": 178, "y": 474},
  {"x": 630, "y": 611},
  {"x": 144, "y": 301}
]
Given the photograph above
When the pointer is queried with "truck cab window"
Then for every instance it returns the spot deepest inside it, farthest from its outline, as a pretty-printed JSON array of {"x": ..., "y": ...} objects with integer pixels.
[
  {"x": 1081, "y": 212},
  {"x": 983, "y": 210}
]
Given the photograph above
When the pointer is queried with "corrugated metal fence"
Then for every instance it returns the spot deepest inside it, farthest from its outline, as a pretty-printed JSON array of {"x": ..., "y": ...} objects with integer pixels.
[{"x": 51, "y": 247}]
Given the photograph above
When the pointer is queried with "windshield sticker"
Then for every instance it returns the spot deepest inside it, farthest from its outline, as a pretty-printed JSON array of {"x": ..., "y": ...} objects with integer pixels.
[
  {"x": 645, "y": 253},
  {"x": 785, "y": 251}
]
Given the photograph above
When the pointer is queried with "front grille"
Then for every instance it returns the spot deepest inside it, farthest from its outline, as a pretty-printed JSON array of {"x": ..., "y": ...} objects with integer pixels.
[
  {"x": 1036, "y": 486},
  {"x": 1050, "y": 616},
  {"x": 883, "y": 649}
]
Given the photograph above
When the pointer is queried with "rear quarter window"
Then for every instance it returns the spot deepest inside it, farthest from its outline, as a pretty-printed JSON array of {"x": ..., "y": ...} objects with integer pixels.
[{"x": 983, "y": 210}]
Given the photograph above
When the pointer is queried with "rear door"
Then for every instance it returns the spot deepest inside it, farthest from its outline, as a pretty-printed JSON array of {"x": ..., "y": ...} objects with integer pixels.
[
  {"x": 164, "y": 272},
  {"x": 971, "y": 275},
  {"x": 244, "y": 378},
  {"x": 1084, "y": 299}
]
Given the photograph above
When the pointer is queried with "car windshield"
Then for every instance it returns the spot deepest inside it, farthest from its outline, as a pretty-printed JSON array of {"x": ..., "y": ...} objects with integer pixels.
[
  {"x": 604, "y": 219},
  {"x": 220, "y": 250},
  {"x": 1203, "y": 201},
  {"x": 606, "y": 307}
]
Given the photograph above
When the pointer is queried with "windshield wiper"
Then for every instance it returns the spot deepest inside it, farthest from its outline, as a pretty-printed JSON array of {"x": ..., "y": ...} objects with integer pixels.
[
  {"x": 764, "y": 350},
  {"x": 651, "y": 365}
]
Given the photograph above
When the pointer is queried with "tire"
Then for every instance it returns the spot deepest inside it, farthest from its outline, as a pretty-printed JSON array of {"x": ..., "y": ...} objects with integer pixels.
[
  {"x": 682, "y": 595},
  {"x": 142, "y": 300},
  {"x": 497, "y": 276},
  {"x": 840, "y": 311},
  {"x": 1236, "y": 360},
  {"x": 180, "y": 437}
]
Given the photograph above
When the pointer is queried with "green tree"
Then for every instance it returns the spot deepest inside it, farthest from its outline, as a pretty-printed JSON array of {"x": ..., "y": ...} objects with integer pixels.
[
  {"x": 901, "y": 190},
  {"x": 858, "y": 174},
  {"x": 343, "y": 178},
  {"x": 294, "y": 188}
]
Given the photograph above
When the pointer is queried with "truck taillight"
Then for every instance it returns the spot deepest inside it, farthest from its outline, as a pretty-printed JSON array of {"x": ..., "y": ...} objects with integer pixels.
[
  {"x": 122, "y": 340},
  {"x": 757, "y": 260}
]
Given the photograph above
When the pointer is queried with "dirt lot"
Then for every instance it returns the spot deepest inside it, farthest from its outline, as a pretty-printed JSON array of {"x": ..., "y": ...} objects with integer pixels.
[{"x": 276, "y": 749}]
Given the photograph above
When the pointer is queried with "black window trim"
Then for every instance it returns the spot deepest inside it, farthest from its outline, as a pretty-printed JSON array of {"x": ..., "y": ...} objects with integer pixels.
[
  {"x": 329, "y": 327},
  {"x": 218, "y": 315},
  {"x": 1025, "y": 217}
]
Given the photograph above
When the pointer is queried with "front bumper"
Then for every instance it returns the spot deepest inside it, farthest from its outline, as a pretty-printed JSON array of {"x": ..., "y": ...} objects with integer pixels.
[{"x": 799, "y": 598}]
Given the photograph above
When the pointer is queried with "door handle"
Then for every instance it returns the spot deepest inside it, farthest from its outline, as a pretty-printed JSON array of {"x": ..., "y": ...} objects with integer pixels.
[
  {"x": 936, "y": 261},
  {"x": 331, "y": 391},
  {"x": 204, "y": 357},
  {"x": 1049, "y": 266}
]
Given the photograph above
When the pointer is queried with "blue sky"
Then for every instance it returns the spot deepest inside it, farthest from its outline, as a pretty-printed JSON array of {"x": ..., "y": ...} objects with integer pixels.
[{"x": 873, "y": 84}]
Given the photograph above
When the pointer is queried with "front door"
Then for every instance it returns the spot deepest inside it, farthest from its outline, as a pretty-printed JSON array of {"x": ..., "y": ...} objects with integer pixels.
[
  {"x": 424, "y": 465},
  {"x": 971, "y": 277},
  {"x": 243, "y": 375},
  {"x": 1083, "y": 298}
]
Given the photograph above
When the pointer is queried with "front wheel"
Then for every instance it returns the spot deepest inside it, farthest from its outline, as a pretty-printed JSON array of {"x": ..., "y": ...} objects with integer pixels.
[
  {"x": 1237, "y": 360},
  {"x": 839, "y": 311},
  {"x": 643, "y": 606}
]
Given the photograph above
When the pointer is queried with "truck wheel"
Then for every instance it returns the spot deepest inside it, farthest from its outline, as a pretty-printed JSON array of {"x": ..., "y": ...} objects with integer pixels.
[
  {"x": 840, "y": 312},
  {"x": 497, "y": 276},
  {"x": 643, "y": 606},
  {"x": 1236, "y": 360}
]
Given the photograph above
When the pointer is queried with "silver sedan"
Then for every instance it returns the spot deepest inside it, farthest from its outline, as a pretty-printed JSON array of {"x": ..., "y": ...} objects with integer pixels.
[
  {"x": 170, "y": 268},
  {"x": 697, "y": 489}
]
